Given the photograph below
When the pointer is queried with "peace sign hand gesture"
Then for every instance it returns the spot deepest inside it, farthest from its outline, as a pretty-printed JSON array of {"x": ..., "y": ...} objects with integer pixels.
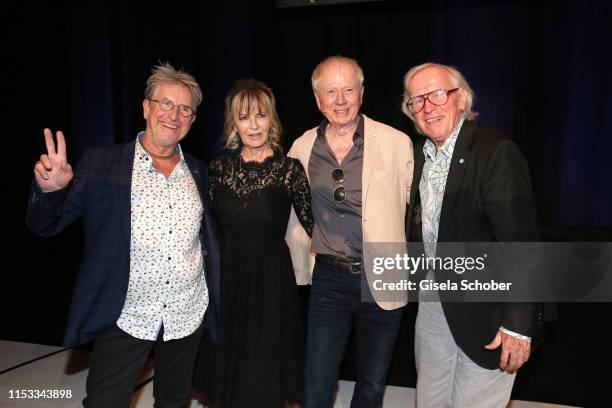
[{"x": 52, "y": 171}]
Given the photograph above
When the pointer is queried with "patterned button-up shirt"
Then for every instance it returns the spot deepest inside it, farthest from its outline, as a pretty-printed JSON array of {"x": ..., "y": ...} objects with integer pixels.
[
  {"x": 167, "y": 284},
  {"x": 432, "y": 186}
]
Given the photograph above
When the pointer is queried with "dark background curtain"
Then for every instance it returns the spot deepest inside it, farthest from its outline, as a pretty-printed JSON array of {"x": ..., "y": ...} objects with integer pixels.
[{"x": 540, "y": 72}]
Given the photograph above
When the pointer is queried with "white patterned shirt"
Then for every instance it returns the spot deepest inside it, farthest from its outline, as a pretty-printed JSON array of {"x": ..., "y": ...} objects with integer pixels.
[
  {"x": 167, "y": 284},
  {"x": 432, "y": 186}
]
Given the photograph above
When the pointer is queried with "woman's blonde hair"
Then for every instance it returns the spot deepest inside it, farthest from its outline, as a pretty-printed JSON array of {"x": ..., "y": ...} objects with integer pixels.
[{"x": 245, "y": 95}]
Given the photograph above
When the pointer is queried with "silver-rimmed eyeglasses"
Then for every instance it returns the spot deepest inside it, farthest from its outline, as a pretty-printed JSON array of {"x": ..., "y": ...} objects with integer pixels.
[{"x": 167, "y": 105}]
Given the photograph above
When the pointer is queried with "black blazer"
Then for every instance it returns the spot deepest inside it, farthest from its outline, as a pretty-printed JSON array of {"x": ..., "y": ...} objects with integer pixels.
[
  {"x": 100, "y": 193},
  {"x": 487, "y": 198}
]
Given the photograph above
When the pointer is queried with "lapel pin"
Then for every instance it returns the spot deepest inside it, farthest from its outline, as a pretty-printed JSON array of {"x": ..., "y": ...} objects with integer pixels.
[{"x": 461, "y": 161}]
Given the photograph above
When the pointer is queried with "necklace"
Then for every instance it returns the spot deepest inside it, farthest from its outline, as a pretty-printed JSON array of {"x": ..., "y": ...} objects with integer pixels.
[
  {"x": 159, "y": 156},
  {"x": 341, "y": 133}
]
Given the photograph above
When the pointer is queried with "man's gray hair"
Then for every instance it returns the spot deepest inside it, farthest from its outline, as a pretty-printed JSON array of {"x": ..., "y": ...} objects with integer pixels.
[
  {"x": 164, "y": 73},
  {"x": 335, "y": 59}
]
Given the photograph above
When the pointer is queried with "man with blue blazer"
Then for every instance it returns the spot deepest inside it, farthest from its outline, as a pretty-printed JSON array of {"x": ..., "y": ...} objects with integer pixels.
[
  {"x": 149, "y": 276},
  {"x": 471, "y": 184}
]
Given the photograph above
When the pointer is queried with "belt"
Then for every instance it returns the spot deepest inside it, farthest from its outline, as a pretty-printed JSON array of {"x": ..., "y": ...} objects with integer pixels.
[{"x": 353, "y": 267}]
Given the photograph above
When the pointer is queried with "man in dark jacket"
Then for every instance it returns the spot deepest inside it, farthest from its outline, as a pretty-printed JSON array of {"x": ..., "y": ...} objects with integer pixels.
[
  {"x": 471, "y": 184},
  {"x": 149, "y": 273}
]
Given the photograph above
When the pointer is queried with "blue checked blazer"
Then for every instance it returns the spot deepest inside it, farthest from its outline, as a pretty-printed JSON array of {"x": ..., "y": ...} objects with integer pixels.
[{"x": 100, "y": 194}]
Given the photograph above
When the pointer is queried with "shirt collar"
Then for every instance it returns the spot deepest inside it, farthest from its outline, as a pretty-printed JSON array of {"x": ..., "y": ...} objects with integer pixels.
[
  {"x": 143, "y": 156},
  {"x": 357, "y": 136},
  {"x": 447, "y": 149}
]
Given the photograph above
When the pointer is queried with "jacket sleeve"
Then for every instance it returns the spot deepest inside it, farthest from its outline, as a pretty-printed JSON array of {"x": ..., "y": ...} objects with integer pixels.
[
  {"x": 511, "y": 211},
  {"x": 49, "y": 213}
]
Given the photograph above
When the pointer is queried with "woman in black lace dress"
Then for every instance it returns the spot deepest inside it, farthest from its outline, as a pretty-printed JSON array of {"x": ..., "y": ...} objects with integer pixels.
[{"x": 260, "y": 356}]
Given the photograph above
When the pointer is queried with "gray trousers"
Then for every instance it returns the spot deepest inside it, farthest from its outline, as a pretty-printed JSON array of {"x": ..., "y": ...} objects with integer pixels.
[{"x": 446, "y": 376}]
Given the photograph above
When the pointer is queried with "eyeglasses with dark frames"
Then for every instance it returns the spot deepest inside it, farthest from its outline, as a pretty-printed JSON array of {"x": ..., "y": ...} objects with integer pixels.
[
  {"x": 167, "y": 105},
  {"x": 438, "y": 97},
  {"x": 339, "y": 193}
]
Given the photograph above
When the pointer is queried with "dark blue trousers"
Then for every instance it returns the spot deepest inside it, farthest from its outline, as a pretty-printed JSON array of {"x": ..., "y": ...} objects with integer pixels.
[{"x": 335, "y": 306}]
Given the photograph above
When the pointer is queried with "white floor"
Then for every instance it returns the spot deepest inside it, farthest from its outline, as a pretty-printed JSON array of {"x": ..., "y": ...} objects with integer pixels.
[{"x": 61, "y": 369}]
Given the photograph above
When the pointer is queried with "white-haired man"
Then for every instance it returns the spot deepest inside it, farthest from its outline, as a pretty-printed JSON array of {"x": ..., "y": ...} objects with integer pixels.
[{"x": 471, "y": 184}]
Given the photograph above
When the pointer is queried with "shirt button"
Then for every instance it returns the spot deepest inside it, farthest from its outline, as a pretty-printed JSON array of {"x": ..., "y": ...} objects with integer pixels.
[
  {"x": 171, "y": 231},
  {"x": 164, "y": 306}
]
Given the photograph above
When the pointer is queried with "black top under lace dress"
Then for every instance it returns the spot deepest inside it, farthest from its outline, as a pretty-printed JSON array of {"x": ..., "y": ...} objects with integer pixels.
[{"x": 258, "y": 362}]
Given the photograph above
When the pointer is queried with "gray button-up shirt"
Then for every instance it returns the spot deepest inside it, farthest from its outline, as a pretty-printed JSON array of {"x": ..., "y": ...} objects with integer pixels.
[{"x": 337, "y": 229}]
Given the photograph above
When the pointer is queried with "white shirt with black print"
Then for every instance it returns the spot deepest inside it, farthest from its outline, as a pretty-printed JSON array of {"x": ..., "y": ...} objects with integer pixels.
[{"x": 167, "y": 284}]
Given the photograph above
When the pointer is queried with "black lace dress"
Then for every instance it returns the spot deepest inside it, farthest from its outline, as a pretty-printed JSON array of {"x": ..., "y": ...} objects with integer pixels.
[{"x": 258, "y": 362}]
